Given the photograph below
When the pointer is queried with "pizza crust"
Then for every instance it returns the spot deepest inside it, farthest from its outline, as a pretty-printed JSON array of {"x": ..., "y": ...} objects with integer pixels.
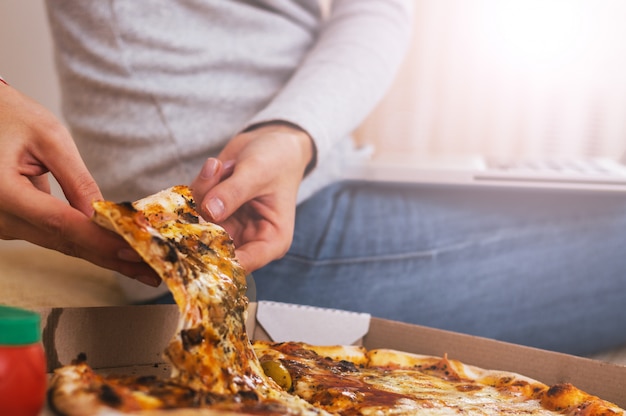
[{"x": 67, "y": 394}]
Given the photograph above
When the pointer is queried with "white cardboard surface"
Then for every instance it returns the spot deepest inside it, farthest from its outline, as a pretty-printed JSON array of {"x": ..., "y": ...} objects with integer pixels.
[{"x": 287, "y": 322}]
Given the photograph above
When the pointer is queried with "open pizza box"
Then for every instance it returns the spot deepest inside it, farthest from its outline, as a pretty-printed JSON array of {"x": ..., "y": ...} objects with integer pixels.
[{"x": 131, "y": 340}]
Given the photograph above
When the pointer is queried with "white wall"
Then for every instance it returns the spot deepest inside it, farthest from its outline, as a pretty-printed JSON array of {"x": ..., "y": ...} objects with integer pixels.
[
  {"x": 26, "y": 51},
  {"x": 508, "y": 78}
]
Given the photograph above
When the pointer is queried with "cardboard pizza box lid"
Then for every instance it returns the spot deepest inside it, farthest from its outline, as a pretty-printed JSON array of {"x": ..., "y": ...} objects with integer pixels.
[
  {"x": 108, "y": 336},
  {"x": 117, "y": 338},
  {"x": 281, "y": 322}
]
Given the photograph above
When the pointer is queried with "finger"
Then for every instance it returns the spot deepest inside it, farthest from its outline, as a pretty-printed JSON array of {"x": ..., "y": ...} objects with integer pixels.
[
  {"x": 122, "y": 258},
  {"x": 64, "y": 162},
  {"x": 221, "y": 201},
  {"x": 259, "y": 243},
  {"x": 212, "y": 172},
  {"x": 208, "y": 177},
  {"x": 256, "y": 254},
  {"x": 41, "y": 182},
  {"x": 141, "y": 272},
  {"x": 78, "y": 186},
  {"x": 101, "y": 244},
  {"x": 102, "y": 247},
  {"x": 48, "y": 221},
  {"x": 81, "y": 191}
]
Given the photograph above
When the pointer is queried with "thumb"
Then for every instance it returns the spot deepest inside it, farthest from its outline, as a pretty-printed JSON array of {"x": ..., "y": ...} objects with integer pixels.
[
  {"x": 59, "y": 154},
  {"x": 81, "y": 191},
  {"x": 228, "y": 196},
  {"x": 78, "y": 186}
]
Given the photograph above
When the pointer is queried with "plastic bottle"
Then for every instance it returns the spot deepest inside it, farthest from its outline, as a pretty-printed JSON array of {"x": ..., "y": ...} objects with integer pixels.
[{"x": 22, "y": 363}]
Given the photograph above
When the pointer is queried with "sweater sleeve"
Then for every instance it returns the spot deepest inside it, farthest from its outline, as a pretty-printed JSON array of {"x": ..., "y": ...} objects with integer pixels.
[{"x": 359, "y": 48}]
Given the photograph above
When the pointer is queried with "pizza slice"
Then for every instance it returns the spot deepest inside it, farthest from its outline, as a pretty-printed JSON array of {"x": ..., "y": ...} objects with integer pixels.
[
  {"x": 350, "y": 380},
  {"x": 197, "y": 262}
]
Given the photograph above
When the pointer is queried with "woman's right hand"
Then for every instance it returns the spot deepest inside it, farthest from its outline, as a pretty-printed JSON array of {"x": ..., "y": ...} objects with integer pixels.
[{"x": 32, "y": 143}]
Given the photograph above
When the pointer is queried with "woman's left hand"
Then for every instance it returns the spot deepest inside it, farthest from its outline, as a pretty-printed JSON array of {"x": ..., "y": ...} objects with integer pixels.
[{"x": 250, "y": 189}]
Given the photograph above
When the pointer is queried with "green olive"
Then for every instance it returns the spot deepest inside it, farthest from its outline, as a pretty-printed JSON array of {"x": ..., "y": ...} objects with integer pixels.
[{"x": 277, "y": 372}]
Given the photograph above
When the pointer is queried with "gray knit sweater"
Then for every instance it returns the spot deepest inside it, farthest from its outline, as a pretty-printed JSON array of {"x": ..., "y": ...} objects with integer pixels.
[{"x": 150, "y": 88}]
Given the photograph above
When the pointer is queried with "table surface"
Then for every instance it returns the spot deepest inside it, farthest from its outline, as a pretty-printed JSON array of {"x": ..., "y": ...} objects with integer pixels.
[{"x": 31, "y": 277}]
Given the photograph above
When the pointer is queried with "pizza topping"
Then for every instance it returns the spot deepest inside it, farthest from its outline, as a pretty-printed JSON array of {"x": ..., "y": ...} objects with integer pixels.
[
  {"x": 443, "y": 368},
  {"x": 468, "y": 387},
  {"x": 277, "y": 372},
  {"x": 410, "y": 384},
  {"x": 192, "y": 337}
]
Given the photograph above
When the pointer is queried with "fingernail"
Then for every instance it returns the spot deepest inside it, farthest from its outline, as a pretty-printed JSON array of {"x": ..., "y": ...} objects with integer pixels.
[
  {"x": 209, "y": 169},
  {"x": 129, "y": 255},
  {"x": 149, "y": 280},
  {"x": 228, "y": 168},
  {"x": 215, "y": 206},
  {"x": 228, "y": 165}
]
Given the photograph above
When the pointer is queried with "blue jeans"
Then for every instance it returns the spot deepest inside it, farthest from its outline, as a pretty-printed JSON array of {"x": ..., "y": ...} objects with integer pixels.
[{"x": 539, "y": 268}]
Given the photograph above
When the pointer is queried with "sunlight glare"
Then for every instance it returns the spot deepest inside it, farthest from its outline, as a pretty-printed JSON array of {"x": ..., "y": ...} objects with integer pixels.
[{"x": 541, "y": 37}]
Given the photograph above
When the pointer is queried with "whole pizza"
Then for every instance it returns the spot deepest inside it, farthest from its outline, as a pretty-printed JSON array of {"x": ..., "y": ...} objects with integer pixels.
[{"x": 217, "y": 370}]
